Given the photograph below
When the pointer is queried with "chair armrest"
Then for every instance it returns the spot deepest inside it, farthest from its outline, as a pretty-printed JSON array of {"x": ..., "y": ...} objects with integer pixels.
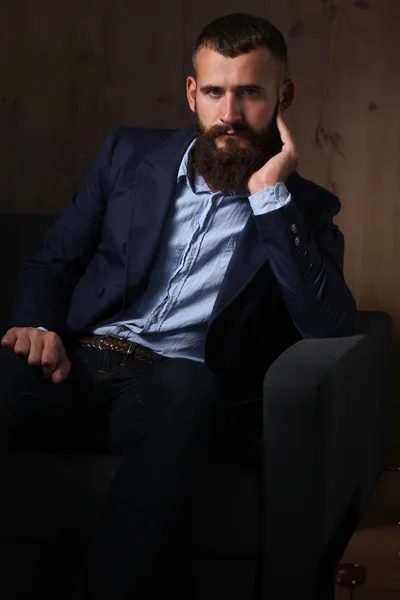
[{"x": 324, "y": 409}]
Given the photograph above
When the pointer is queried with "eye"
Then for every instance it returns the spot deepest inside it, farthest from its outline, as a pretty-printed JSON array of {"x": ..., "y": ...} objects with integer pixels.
[
  {"x": 214, "y": 92},
  {"x": 250, "y": 92}
]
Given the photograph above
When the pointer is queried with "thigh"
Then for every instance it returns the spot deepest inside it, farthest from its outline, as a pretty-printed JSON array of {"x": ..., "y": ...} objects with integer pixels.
[
  {"x": 136, "y": 398},
  {"x": 180, "y": 405},
  {"x": 182, "y": 395},
  {"x": 115, "y": 394}
]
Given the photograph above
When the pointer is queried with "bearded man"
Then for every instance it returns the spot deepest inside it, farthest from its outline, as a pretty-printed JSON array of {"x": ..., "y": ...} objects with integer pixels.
[{"x": 186, "y": 263}]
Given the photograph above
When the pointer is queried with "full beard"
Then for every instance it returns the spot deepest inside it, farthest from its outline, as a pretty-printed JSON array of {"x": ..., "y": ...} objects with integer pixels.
[{"x": 229, "y": 169}]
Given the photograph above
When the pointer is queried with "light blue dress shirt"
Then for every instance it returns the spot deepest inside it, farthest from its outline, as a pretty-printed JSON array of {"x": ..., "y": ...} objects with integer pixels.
[{"x": 199, "y": 238}]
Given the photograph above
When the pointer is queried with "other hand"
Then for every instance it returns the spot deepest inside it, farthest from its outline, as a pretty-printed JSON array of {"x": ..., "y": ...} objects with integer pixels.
[
  {"x": 280, "y": 166},
  {"x": 40, "y": 348}
]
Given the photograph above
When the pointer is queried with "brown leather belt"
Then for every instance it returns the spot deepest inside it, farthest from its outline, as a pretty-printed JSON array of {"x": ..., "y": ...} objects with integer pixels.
[{"x": 121, "y": 345}]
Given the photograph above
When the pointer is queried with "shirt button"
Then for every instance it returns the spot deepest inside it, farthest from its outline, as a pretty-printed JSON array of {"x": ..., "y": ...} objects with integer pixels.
[
  {"x": 154, "y": 320},
  {"x": 176, "y": 279},
  {"x": 296, "y": 241},
  {"x": 282, "y": 199},
  {"x": 293, "y": 228}
]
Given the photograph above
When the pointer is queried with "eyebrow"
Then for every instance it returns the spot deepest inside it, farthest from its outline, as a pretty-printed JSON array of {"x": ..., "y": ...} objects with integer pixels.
[{"x": 253, "y": 86}]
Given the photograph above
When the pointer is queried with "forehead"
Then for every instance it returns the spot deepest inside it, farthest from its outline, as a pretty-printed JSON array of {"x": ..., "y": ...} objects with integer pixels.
[{"x": 257, "y": 66}]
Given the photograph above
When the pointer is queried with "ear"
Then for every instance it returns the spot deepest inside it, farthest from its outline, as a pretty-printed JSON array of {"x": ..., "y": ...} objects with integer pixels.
[
  {"x": 191, "y": 87},
  {"x": 286, "y": 94}
]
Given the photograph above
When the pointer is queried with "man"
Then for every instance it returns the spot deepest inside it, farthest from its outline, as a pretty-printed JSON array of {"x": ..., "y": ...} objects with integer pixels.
[{"x": 185, "y": 265}]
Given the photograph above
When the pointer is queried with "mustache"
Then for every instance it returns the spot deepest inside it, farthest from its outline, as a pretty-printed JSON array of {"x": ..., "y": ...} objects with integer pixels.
[{"x": 237, "y": 128}]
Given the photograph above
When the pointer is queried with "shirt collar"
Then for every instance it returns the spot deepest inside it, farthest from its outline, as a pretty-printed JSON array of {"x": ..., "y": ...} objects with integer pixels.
[
  {"x": 193, "y": 179},
  {"x": 185, "y": 167}
]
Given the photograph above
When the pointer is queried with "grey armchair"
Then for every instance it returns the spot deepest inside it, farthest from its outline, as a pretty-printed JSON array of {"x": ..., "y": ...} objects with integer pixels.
[{"x": 279, "y": 504}]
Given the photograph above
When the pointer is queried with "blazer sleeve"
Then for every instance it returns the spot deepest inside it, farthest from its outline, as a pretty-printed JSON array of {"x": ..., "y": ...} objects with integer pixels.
[
  {"x": 47, "y": 280},
  {"x": 307, "y": 261}
]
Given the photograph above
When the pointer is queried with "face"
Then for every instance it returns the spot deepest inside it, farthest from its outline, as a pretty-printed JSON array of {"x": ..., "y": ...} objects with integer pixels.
[{"x": 235, "y": 101}]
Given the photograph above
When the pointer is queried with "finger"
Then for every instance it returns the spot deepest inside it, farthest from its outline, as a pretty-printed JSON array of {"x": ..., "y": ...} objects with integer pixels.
[
  {"x": 285, "y": 133},
  {"x": 50, "y": 356},
  {"x": 9, "y": 339},
  {"x": 62, "y": 371},
  {"x": 36, "y": 351},
  {"x": 59, "y": 375},
  {"x": 22, "y": 346},
  {"x": 54, "y": 359}
]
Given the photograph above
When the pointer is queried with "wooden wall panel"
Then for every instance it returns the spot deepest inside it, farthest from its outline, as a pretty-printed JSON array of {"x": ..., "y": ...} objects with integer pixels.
[{"x": 71, "y": 71}]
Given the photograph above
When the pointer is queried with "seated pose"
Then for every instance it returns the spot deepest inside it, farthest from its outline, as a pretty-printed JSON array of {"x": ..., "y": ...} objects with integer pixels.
[{"x": 186, "y": 263}]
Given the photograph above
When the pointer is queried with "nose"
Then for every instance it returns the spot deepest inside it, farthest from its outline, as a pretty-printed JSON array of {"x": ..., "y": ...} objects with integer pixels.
[{"x": 230, "y": 109}]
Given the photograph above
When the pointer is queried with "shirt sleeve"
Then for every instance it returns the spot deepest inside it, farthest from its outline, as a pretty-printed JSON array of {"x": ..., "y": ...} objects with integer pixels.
[{"x": 270, "y": 199}]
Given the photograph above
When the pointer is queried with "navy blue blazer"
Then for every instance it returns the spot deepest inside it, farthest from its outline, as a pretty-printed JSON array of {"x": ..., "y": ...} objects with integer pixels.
[{"x": 284, "y": 281}]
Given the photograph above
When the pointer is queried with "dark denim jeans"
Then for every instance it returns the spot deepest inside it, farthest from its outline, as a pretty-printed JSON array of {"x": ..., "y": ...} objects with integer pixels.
[{"x": 162, "y": 418}]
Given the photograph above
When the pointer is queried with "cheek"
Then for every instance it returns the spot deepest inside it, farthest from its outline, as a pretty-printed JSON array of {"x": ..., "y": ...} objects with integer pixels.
[
  {"x": 206, "y": 111},
  {"x": 259, "y": 115}
]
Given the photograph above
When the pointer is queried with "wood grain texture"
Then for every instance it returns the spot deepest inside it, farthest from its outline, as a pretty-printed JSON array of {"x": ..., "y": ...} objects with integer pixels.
[{"x": 71, "y": 71}]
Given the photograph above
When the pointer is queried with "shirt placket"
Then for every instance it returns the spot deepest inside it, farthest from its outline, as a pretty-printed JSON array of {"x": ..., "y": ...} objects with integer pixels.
[{"x": 177, "y": 282}]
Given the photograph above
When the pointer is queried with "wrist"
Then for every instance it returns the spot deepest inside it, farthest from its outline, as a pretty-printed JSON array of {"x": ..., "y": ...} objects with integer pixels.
[{"x": 258, "y": 187}]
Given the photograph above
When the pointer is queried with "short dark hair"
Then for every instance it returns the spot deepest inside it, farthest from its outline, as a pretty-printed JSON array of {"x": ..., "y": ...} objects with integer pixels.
[{"x": 239, "y": 33}]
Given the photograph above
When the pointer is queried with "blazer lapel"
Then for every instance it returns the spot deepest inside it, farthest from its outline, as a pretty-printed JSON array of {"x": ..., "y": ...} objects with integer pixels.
[{"x": 154, "y": 184}]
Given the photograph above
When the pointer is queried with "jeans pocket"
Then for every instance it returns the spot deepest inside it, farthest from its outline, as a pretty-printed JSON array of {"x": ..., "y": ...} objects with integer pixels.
[{"x": 110, "y": 364}]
